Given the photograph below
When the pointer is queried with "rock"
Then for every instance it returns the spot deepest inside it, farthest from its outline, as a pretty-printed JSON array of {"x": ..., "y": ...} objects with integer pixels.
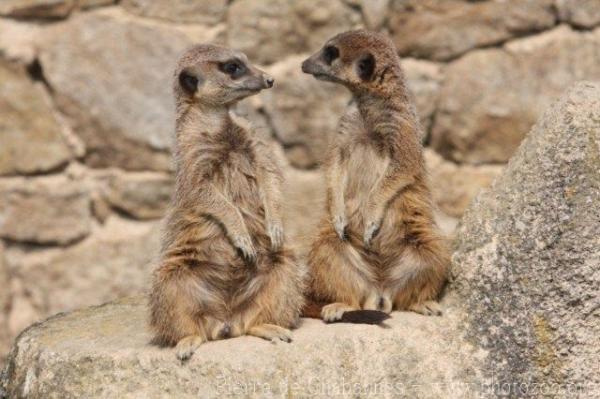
[
  {"x": 46, "y": 210},
  {"x": 490, "y": 98},
  {"x": 32, "y": 141},
  {"x": 87, "y": 4},
  {"x": 424, "y": 80},
  {"x": 5, "y": 339},
  {"x": 580, "y": 13},
  {"x": 444, "y": 29},
  {"x": 18, "y": 40},
  {"x": 104, "y": 351},
  {"x": 142, "y": 195},
  {"x": 528, "y": 251},
  {"x": 454, "y": 186},
  {"x": 303, "y": 206},
  {"x": 118, "y": 98},
  {"x": 303, "y": 112},
  {"x": 202, "y": 12},
  {"x": 36, "y": 8},
  {"x": 269, "y": 30},
  {"x": 447, "y": 224},
  {"x": 115, "y": 261},
  {"x": 374, "y": 12}
]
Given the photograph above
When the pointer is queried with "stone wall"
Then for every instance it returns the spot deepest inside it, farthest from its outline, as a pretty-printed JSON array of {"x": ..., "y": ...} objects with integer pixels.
[{"x": 86, "y": 116}]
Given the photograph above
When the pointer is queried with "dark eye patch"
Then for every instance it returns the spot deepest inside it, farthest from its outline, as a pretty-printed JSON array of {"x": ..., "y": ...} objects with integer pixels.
[
  {"x": 366, "y": 67},
  {"x": 188, "y": 82},
  {"x": 233, "y": 68},
  {"x": 330, "y": 53}
]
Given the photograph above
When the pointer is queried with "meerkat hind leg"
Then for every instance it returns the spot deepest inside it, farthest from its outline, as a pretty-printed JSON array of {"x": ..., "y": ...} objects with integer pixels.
[
  {"x": 186, "y": 346},
  {"x": 271, "y": 332}
]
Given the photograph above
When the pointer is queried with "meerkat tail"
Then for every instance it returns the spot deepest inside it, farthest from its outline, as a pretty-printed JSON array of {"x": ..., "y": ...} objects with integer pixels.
[{"x": 363, "y": 316}]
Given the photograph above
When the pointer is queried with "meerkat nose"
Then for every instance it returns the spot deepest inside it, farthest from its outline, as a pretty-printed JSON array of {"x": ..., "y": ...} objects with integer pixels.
[{"x": 269, "y": 81}]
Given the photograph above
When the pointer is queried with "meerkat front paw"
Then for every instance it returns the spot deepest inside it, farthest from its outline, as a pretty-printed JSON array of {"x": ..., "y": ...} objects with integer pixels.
[
  {"x": 339, "y": 224},
  {"x": 275, "y": 232},
  {"x": 245, "y": 247},
  {"x": 334, "y": 311},
  {"x": 371, "y": 230}
]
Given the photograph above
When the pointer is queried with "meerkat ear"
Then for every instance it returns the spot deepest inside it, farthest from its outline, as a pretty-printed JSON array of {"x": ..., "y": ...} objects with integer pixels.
[
  {"x": 188, "y": 82},
  {"x": 366, "y": 66}
]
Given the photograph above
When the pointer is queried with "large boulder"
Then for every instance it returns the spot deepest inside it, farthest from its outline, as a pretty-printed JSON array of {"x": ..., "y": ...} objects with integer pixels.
[
  {"x": 528, "y": 253},
  {"x": 490, "y": 98},
  {"x": 32, "y": 139},
  {"x": 5, "y": 338},
  {"x": 118, "y": 97},
  {"x": 521, "y": 312},
  {"x": 444, "y": 29}
]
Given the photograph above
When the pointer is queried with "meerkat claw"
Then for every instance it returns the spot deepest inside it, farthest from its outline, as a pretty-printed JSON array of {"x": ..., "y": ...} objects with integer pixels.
[
  {"x": 275, "y": 232},
  {"x": 244, "y": 245},
  {"x": 340, "y": 223},
  {"x": 370, "y": 232}
]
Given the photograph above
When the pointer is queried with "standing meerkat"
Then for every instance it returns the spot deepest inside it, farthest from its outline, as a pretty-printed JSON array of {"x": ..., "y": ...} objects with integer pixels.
[
  {"x": 380, "y": 248},
  {"x": 224, "y": 270}
]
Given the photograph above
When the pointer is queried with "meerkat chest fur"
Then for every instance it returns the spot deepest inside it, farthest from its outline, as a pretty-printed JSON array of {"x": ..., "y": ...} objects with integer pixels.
[
  {"x": 225, "y": 158},
  {"x": 362, "y": 156}
]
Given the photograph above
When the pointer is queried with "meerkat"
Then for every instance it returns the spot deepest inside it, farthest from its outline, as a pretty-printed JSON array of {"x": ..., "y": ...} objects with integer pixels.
[
  {"x": 379, "y": 248},
  {"x": 225, "y": 270}
]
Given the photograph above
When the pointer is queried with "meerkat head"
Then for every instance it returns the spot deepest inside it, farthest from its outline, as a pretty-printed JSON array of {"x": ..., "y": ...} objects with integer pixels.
[
  {"x": 214, "y": 75},
  {"x": 360, "y": 60}
]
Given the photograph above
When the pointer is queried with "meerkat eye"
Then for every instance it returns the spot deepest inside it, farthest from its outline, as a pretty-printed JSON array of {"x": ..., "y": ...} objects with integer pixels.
[
  {"x": 188, "y": 82},
  {"x": 366, "y": 67},
  {"x": 234, "y": 68},
  {"x": 330, "y": 53}
]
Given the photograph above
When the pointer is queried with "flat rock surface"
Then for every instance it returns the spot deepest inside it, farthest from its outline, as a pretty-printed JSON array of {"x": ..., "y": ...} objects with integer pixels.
[{"x": 105, "y": 352}]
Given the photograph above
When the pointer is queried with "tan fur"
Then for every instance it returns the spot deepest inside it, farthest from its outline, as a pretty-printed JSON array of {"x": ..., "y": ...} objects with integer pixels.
[
  {"x": 225, "y": 270},
  {"x": 379, "y": 248}
]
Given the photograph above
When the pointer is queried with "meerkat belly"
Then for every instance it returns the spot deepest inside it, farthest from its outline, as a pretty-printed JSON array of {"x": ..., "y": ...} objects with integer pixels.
[{"x": 365, "y": 168}]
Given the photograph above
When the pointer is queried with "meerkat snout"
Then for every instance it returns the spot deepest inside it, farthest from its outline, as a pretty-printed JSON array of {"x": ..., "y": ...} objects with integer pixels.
[{"x": 269, "y": 81}]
